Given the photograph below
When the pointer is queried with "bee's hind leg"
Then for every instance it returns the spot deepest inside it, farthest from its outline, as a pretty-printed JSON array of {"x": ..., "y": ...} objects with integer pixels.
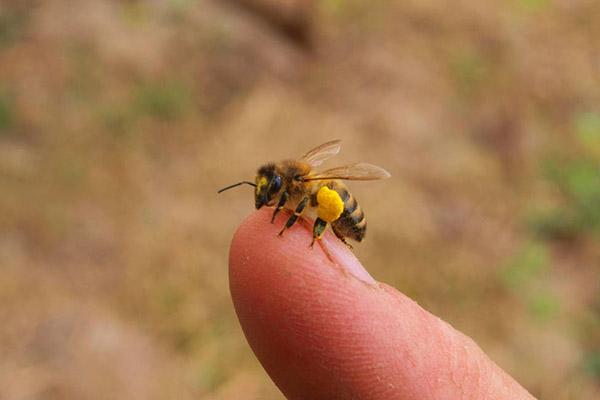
[
  {"x": 282, "y": 200},
  {"x": 292, "y": 219},
  {"x": 318, "y": 230}
]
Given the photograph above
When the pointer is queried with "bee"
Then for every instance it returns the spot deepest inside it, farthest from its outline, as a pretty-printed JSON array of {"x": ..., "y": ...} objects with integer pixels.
[{"x": 296, "y": 186}]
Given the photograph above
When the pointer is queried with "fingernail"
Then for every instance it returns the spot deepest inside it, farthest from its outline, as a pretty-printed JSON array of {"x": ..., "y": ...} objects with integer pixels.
[{"x": 348, "y": 261}]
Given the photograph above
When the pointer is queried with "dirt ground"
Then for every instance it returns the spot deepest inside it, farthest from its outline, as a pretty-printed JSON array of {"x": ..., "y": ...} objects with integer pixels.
[{"x": 119, "y": 120}]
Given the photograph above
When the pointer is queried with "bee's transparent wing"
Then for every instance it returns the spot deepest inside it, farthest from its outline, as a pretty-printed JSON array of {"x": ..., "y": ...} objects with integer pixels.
[
  {"x": 354, "y": 172},
  {"x": 316, "y": 156}
]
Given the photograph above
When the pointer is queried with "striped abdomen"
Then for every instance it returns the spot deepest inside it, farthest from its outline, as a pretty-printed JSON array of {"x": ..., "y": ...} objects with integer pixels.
[{"x": 352, "y": 222}]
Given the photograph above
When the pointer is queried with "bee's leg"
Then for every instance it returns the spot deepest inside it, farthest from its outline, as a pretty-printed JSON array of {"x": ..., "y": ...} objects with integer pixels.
[
  {"x": 292, "y": 219},
  {"x": 340, "y": 236},
  {"x": 318, "y": 229},
  {"x": 282, "y": 200}
]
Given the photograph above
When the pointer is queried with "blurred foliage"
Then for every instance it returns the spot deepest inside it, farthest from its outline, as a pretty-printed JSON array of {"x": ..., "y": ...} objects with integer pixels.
[
  {"x": 470, "y": 71},
  {"x": 587, "y": 126},
  {"x": 524, "y": 274},
  {"x": 592, "y": 364},
  {"x": 163, "y": 100},
  {"x": 577, "y": 178},
  {"x": 526, "y": 265},
  {"x": 544, "y": 305}
]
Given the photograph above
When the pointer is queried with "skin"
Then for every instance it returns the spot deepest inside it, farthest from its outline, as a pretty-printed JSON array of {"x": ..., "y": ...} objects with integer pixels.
[{"x": 323, "y": 328}]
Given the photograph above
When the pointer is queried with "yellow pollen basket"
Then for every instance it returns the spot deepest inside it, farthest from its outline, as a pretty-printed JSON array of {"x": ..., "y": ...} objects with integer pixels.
[{"x": 331, "y": 205}]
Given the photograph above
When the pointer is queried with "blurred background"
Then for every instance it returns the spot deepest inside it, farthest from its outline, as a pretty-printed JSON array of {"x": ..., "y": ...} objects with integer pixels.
[{"x": 120, "y": 119}]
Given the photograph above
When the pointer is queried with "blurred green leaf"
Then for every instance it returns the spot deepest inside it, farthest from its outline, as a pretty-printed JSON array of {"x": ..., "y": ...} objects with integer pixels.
[
  {"x": 579, "y": 182},
  {"x": 544, "y": 306},
  {"x": 591, "y": 363},
  {"x": 587, "y": 126},
  {"x": 557, "y": 223},
  {"x": 583, "y": 181},
  {"x": 469, "y": 71},
  {"x": 162, "y": 100},
  {"x": 529, "y": 261}
]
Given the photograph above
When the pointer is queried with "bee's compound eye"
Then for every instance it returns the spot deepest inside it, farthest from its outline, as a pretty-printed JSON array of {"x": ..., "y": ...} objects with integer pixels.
[{"x": 276, "y": 183}]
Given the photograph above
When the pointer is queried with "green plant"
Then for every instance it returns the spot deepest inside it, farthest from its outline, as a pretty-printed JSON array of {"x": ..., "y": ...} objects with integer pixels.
[
  {"x": 526, "y": 264},
  {"x": 576, "y": 176},
  {"x": 162, "y": 100}
]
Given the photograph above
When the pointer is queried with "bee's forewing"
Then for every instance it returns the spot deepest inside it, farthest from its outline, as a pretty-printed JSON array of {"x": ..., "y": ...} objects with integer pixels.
[
  {"x": 355, "y": 172},
  {"x": 316, "y": 156}
]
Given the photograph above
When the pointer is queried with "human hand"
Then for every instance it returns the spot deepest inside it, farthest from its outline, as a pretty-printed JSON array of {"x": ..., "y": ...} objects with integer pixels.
[{"x": 323, "y": 328}]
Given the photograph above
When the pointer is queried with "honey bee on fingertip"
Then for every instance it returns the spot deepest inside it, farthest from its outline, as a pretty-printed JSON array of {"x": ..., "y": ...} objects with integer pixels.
[{"x": 296, "y": 186}]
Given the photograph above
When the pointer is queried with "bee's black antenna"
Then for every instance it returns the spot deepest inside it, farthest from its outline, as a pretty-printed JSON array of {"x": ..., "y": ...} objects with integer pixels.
[{"x": 236, "y": 184}]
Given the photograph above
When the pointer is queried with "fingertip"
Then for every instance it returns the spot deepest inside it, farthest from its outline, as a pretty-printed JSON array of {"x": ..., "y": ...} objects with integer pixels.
[{"x": 256, "y": 239}]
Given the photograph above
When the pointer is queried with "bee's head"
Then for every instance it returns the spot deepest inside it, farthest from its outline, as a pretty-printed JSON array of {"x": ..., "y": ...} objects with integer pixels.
[{"x": 268, "y": 184}]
